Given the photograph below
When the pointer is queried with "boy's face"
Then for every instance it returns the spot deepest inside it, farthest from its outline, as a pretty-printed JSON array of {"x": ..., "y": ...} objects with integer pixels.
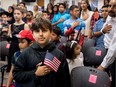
[
  {"x": 42, "y": 37},
  {"x": 23, "y": 43},
  {"x": 104, "y": 12},
  {"x": 61, "y": 8},
  {"x": 54, "y": 37},
  {"x": 75, "y": 12},
  {"x": 45, "y": 15},
  {"x": 4, "y": 17}
]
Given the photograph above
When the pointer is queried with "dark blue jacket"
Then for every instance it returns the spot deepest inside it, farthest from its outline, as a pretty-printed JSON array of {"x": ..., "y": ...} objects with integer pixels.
[{"x": 25, "y": 67}]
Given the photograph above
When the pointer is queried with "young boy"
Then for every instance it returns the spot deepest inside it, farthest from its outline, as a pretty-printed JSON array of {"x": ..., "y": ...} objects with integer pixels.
[
  {"x": 46, "y": 14},
  {"x": 55, "y": 37},
  {"x": 29, "y": 69},
  {"x": 74, "y": 27},
  {"x": 4, "y": 26},
  {"x": 25, "y": 40}
]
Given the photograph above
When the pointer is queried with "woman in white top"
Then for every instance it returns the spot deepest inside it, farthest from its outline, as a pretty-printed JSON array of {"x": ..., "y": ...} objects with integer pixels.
[
  {"x": 86, "y": 15},
  {"x": 73, "y": 55}
]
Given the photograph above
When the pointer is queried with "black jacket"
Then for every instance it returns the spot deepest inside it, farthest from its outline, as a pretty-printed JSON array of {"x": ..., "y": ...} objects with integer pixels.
[{"x": 25, "y": 67}]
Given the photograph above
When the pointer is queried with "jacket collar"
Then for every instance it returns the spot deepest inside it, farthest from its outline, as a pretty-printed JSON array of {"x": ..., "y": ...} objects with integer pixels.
[{"x": 50, "y": 46}]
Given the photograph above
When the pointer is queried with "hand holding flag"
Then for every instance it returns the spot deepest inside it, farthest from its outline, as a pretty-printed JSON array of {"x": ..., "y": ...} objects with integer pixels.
[{"x": 52, "y": 61}]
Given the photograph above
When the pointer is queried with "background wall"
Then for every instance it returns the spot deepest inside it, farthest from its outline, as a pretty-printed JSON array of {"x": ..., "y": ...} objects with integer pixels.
[{"x": 6, "y": 3}]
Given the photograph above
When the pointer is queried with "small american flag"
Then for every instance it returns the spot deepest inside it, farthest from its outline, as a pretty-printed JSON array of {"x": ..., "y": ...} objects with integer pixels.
[{"x": 52, "y": 61}]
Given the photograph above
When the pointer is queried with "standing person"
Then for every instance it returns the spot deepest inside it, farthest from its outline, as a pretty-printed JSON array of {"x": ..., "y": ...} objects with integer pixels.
[
  {"x": 11, "y": 19},
  {"x": 109, "y": 30},
  {"x": 4, "y": 26},
  {"x": 29, "y": 17},
  {"x": 46, "y": 15},
  {"x": 30, "y": 70},
  {"x": 25, "y": 39},
  {"x": 60, "y": 17},
  {"x": 86, "y": 15},
  {"x": 36, "y": 11},
  {"x": 50, "y": 10},
  {"x": 74, "y": 55},
  {"x": 55, "y": 9},
  {"x": 3, "y": 32},
  {"x": 74, "y": 27},
  {"x": 14, "y": 29},
  {"x": 99, "y": 42}
]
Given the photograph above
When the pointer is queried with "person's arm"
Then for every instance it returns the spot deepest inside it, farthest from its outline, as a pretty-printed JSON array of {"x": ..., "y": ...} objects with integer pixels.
[
  {"x": 26, "y": 27},
  {"x": 62, "y": 19},
  {"x": 21, "y": 74},
  {"x": 10, "y": 77},
  {"x": 9, "y": 31},
  {"x": 70, "y": 30},
  {"x": 96, "y": 32},
  {"x": 81, "y": 39},
  {"x": 59, "y": 21},
  {"x": 110, "y": 56},
  {"x": 106, "y": 28}
]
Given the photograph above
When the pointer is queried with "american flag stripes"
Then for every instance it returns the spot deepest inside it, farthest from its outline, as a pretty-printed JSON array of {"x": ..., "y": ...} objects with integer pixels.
[{"x": 52, "y": 61}]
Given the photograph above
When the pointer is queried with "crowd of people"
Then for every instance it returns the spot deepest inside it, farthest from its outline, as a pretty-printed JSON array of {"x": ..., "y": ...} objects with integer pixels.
[{"x": 61, "y": 31}]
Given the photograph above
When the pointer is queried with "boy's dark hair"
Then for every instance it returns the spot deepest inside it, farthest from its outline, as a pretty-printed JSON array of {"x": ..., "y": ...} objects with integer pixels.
[
  {"x": 41, "y": 23},
  {"x": 105, "y": 6},
  {"x": 46, "y": 12},
  {"x": 28, "y": 40},
  {"x": 73, "y": 7},
  {"x": 5, "y": 13},
  {"x": 22, "y": 3},
  {"x": 63, "y": 5},
  {"x": 57, "y": 30}
]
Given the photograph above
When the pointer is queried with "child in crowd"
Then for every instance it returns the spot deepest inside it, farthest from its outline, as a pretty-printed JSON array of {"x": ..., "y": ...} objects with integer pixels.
[
  {"x": 56, "y": 35},
  {"x": 29, "y": 17},
  {"x": 25, "y": 40},
  {"x": 3, "y": 26},
  {"x": 74, "y": 55},
  {"x": 74, "y": 27},
  {"x": 46, "y": 14},
  {"x": 30, "y": 70}
]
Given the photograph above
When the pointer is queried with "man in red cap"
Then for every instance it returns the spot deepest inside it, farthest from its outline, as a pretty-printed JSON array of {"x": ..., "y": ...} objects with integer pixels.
[{"x": 25, "y": 40}]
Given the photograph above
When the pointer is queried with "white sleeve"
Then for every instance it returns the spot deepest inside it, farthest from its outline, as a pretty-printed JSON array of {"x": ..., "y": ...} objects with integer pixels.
[{"x": 111, "y": 54}]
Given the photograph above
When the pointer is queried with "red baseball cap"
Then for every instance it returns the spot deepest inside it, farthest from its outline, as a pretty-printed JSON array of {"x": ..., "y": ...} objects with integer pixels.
[{"x": 25, "y": 34}]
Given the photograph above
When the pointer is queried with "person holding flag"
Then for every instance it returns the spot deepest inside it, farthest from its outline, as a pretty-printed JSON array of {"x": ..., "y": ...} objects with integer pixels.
[{"x": 42, "y": 64}]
